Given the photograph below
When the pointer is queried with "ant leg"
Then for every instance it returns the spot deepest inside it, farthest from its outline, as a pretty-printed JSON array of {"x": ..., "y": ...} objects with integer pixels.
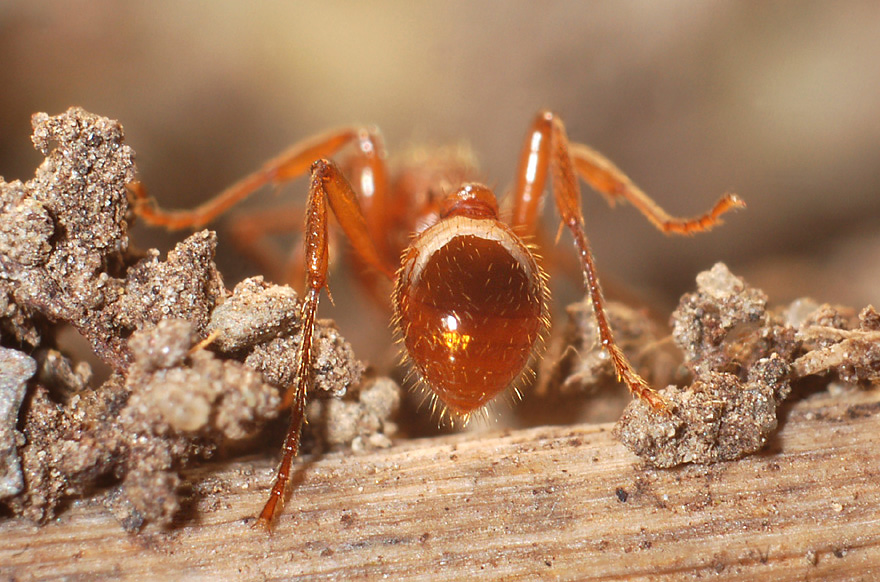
[
  {"x": 251, "y": 231},
  {"x": 327, "y": 187},
  {"x": 288, "y": 165},
  {"x": 546, "y": 148},
  {"x": 531, "y": 178},
  {"x": 607, "y": 179}
]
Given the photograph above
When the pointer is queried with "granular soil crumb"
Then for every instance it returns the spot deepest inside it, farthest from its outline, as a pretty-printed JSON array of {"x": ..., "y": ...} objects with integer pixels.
[
  {"x": 65, "y": 262},
  {"x": 187, "y": 285},
  {"x": 64, "y": 243},
  {"x": 16, "y": 369},
  {"x": 743, "y": 359},
  {"x": 259, "y": 324},
  {"x": 176, "y": 391},
  {"x": 716, "y": 326},
  {"x": 718, "y": 418},
  {"x": 64, "y": 229},
  {"x": 172, "y": 407},
  {"x": 360, "y": 423},
  {"x": 256, "y": 312},
  {"x": 839, "y": 343},
  {"x": 575, "y": 362}
]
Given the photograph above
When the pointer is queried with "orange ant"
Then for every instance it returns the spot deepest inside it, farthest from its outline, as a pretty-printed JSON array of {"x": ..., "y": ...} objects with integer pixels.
[{"x": 470, "y": 297}]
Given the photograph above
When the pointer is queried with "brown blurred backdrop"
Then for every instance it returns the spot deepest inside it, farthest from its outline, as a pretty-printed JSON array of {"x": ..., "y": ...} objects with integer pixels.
[{"x": 777, "y": 101}]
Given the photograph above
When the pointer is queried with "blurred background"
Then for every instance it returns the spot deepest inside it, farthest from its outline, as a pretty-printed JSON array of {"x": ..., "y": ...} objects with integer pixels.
[{"x": 777, "y": 101}]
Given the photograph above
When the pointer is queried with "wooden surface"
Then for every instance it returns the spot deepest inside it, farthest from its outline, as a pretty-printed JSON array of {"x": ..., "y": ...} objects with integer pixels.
[{"x": 548, "y": 503}]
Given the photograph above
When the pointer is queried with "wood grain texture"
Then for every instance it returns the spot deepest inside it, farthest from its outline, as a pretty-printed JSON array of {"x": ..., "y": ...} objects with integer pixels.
[{"x": 548, "y": 503}]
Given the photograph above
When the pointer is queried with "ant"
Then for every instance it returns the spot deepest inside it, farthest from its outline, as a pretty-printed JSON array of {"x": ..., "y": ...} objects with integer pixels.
[{"x": 470, "y": 296}]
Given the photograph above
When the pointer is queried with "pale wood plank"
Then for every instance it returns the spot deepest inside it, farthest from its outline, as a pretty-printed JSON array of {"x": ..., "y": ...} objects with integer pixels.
[{"x": 543, "y": 503}]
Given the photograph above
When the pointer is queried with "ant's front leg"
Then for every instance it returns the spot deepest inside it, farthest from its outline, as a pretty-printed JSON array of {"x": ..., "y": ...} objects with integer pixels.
[{"x": 328, "y": 187}]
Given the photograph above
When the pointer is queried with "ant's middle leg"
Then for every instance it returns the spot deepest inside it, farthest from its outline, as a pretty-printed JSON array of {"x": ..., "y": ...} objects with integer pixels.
[
  {"x": 547, "y": 150},
  {"x": 254, "y": 234},
  {"x": 290, "y": 164}
]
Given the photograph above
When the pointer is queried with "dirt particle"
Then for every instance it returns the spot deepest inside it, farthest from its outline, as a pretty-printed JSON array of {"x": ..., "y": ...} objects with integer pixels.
[{"x": 16, "y": 369}]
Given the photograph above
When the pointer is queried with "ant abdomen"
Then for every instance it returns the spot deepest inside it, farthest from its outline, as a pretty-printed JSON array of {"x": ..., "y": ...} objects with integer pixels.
[{"x": 471, "y": 306}]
